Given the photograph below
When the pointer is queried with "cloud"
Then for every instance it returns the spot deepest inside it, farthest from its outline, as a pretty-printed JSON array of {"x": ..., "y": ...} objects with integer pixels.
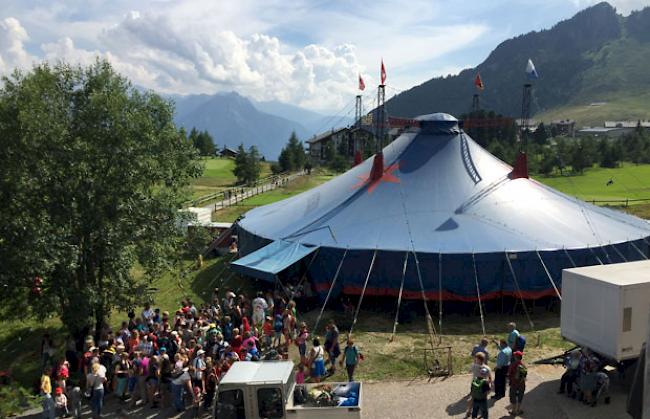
[{"x": 12, "y": 49}]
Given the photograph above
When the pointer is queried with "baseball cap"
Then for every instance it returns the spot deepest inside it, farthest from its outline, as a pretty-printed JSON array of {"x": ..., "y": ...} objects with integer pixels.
[
  {"x": 200, "y": 352},
  {"x": 519, "y": 354}
]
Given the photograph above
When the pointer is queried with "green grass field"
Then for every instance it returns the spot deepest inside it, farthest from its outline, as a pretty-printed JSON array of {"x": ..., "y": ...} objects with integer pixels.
[
  {"x": 299, "y": 185},
  {"x": 630, "y": 182},
  {"x": 218, "y": 176}
]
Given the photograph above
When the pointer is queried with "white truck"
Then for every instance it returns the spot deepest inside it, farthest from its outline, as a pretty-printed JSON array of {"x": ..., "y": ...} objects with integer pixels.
[
  {"x": 605, "y": 308},
  {"x": 268, "y": 390}
]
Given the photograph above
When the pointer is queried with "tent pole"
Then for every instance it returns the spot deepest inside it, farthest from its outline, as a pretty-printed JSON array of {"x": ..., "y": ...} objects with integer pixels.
[
  {"x": 365, "y": 284},
  {"x": 304, "y": 276},
  {"x": 618, "y": 252},
  {"x": 430, "y": 326},
  {"x": 548, "y": 274},
  {"x": 329, "y": 292},
  {"x": 478, "y": 293},
  {"x": 521, "y": 296},
  {"x": 399, "y": 298},
  {"x": 638, "y": 250},
  {"x": 603, "y": 248},
  {"x": 595, "y": 255},
  {"x": 566, "y": 252},
  {"x": 439, "y": 290}
]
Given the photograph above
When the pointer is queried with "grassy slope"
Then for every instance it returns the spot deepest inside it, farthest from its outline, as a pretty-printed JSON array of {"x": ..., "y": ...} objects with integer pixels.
[
  {"x": 218, "y": 176},
  {"x": 630, "y": 182},
  {"x": 627, "y": 107},
  {"x": 299, "y": 185},
  {"x": 619, "y": 77}
]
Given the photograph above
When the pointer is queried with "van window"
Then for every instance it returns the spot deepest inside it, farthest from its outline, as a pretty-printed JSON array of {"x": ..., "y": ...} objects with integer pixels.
[
  {"x": 269, "y": 403},
  {"x": 230, "y": 405},
  {"x": 627, "y": 319}
]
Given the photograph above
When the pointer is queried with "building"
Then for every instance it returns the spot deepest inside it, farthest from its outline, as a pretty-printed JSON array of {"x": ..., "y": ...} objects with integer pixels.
[
  {"x": 566, "y": 127},
  {"x": 602, "y": 132},
  {"x": 627, "y": 124},
  {"x": 228, "y": 152},
  {"x": 318, "y": 144}
]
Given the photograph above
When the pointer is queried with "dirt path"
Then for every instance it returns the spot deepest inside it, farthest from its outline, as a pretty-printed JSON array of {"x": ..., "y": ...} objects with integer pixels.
[{"x": 446, "y": 398}]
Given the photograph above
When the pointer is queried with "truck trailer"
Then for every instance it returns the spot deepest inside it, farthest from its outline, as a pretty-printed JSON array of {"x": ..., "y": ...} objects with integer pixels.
[
  {"x": 268, "y": 390},
  {"x": 605, "y": 308}
]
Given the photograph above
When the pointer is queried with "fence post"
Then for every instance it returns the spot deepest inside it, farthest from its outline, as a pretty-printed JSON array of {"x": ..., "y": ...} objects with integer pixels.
[{"x": 626, "y": 202}]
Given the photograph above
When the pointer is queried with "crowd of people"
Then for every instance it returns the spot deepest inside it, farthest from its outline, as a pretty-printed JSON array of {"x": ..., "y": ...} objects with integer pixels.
[
  {"x": 584, "y": 379},
  {"x": 509, "y": 370},
  {"x": 161, "y": 359}
]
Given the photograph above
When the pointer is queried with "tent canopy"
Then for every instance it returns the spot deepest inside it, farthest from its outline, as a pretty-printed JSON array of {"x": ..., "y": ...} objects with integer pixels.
[
  {"x": 271, "y": 259},
  {"x": 445, "y": 199}
]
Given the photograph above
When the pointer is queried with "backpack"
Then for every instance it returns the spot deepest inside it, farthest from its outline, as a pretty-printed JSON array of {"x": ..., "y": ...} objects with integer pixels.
[
  {"x": 477, "y": 389},
  {"x": 521, "y": 343},
  {"x": 521, "y": 372}
]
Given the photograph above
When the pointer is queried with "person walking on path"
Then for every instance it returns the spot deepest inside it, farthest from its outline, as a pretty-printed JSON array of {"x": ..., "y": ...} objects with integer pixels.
[
  {"x": 317, "y": 361},
  {"x": 95, "y": 382},
  {"x": 517, "y": 373},
  {"x": 351, "y": 355},
  {"x": 501, "y": 370},
  {"x": 332, "y": 345},
  {"x": 46, "y": 393},
  {"x": 479, "y": 393}
]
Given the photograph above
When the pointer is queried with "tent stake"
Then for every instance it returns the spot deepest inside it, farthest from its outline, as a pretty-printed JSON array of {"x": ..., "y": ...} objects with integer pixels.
[
  {"x": 329, "y": 292},
  {"x": 521, "y": 296},
  {"x": 365, "y": 284},
  {"x": 618, "y": 252},
  {"x": 566, "y": 252},
  {"x": 399, "y": 298},
  {"x": 638, "y": 250},
  {"x": 478, "y": 293},
  {"x": 549, "y": 275}
]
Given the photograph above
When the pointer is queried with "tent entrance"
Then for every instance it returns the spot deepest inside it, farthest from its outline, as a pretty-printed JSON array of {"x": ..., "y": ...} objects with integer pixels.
[{"x": 266, "y": 262}]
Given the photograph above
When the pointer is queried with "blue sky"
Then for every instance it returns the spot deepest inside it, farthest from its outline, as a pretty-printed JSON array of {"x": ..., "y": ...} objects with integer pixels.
[{"x": 302, "y": 52}]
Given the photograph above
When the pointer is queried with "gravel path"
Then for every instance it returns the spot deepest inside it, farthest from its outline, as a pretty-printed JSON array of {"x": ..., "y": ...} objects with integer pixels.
[
  {"x": 445, "y": 398},
  {"x": 442, "y": 398}
]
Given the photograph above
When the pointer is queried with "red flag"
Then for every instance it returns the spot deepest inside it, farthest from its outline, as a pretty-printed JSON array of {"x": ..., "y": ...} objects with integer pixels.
[
  {"x": 383, "y": 72},
  {"x": 478, "y": 82},
  {"x": 362, "y": 85}
]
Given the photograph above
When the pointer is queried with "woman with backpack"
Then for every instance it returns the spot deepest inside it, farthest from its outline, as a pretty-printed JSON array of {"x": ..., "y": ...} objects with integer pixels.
[{"x": 517, "y": 375}]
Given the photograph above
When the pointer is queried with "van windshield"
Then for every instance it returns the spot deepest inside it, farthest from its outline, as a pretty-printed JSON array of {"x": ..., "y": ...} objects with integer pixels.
[
  {"x": 269, "y": 403},
  {"x": 230, "y": 405}
]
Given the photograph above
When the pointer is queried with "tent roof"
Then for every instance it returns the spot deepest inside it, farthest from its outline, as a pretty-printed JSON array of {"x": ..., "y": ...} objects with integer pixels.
[
  {"x": 440, "y": 192},
  {"x": 271, "y": 259}
]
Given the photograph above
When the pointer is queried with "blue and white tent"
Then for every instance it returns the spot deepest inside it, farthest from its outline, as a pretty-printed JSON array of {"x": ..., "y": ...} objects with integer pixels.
[{"x": 444, "y": 211}]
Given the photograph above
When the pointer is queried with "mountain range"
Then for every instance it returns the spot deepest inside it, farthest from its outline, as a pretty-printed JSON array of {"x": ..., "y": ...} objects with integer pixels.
[
  {"x": 233, "y": 119},
  {"x": 596, "y": 56}
]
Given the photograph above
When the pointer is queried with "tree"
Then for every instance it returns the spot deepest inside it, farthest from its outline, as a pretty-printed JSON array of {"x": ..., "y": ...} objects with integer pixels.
[
  {"x": 203, "y": 142},
  {"x": 579, "y": 158},
  {"x": 247, "y": 165},
  {"x": 292, "y": 157},
  {"x": 93, "y": 174},
  {"x": 541, "y": 134}
]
